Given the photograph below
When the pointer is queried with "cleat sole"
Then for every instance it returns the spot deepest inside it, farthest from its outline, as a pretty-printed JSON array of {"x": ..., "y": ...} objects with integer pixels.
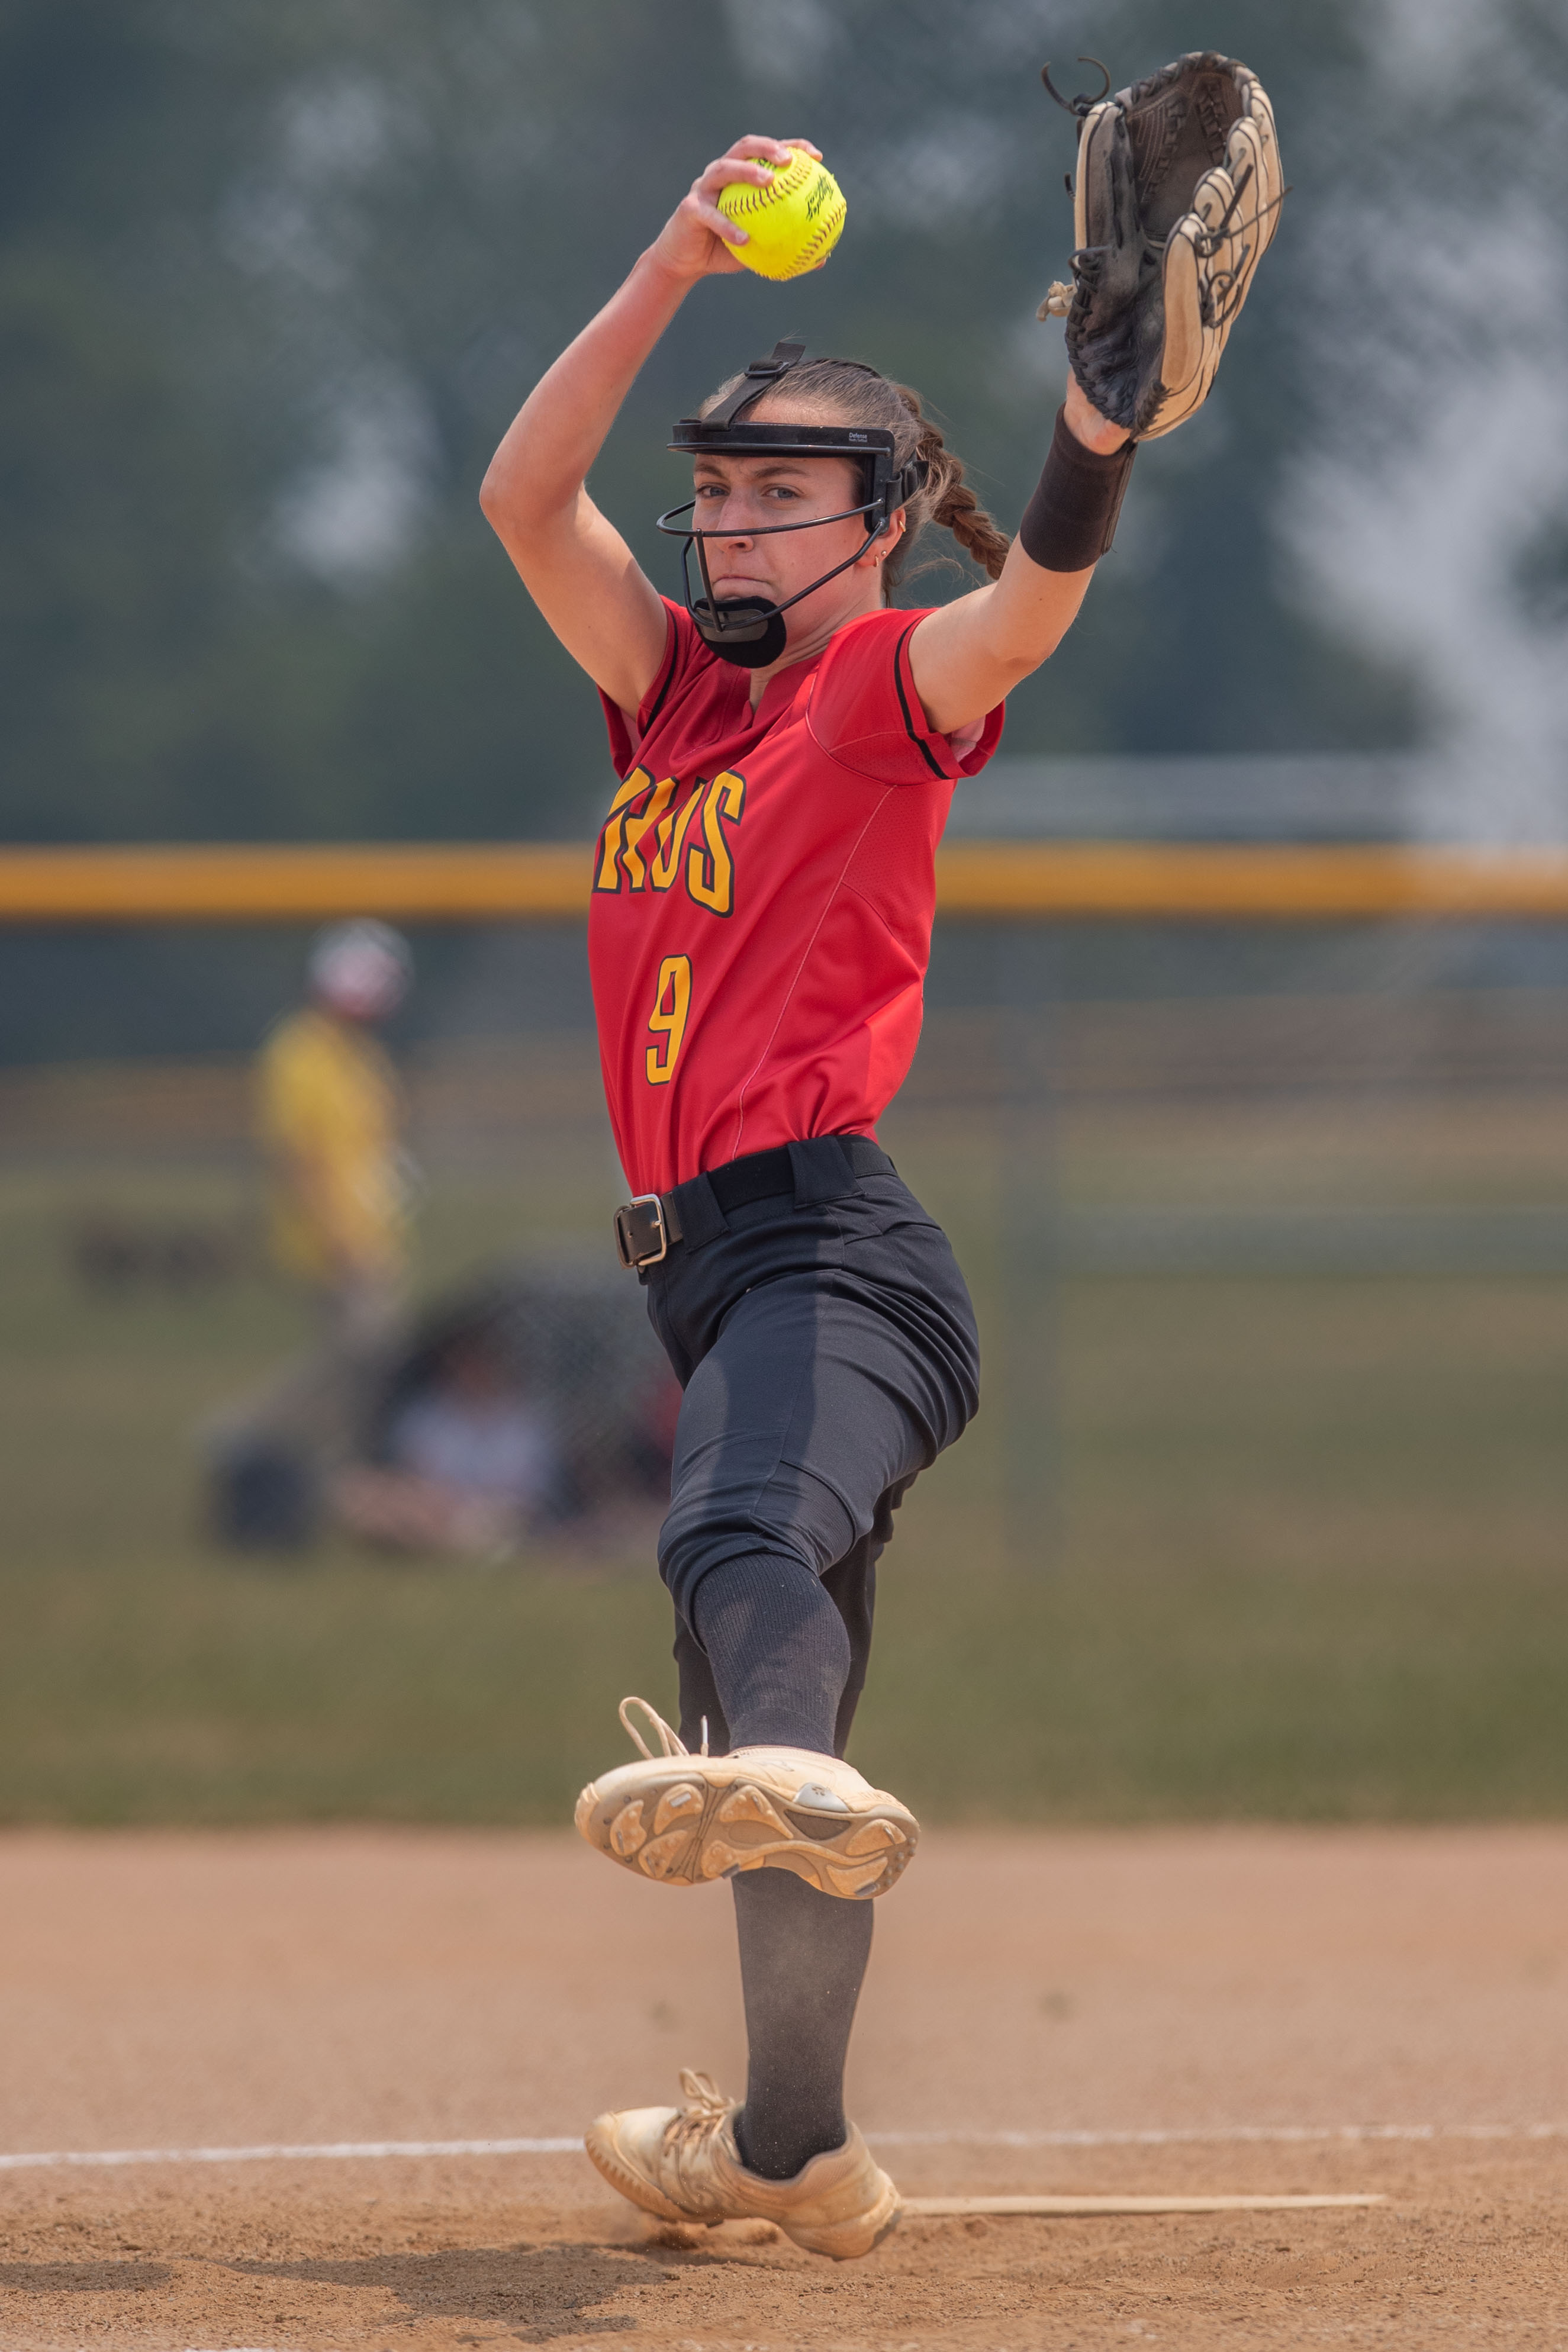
[{"x": 676, "y": 1832}]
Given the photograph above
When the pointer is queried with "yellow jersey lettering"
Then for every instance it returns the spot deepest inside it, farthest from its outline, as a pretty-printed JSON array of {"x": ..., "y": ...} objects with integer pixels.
[
  {"x": 637, "y": 825},
  {"x": 664, "y": 864},
  {"x": 612, "y": 840},
  {"x": 710, "y": 870}
]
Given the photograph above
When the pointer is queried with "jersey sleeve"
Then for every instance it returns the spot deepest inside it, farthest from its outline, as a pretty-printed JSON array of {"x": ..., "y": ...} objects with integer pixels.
[
  {"x": 682, "y": 646},
  {"x": 865, "y": 713}
]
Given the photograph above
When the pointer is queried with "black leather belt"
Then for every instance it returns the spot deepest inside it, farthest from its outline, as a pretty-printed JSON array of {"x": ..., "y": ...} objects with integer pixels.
[{"x": 648, "y": 1228}]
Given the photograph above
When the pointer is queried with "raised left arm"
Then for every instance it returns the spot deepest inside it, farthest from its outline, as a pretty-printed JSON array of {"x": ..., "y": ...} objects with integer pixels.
[{"x": 968, "y": 655}]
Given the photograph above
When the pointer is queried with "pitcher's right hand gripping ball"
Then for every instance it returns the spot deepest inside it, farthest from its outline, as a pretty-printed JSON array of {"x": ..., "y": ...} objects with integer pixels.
[
  {"x": 792, "y": 225},
  {"x": 685, "y": 1820},
  {"x": 1177, "y": 196}
]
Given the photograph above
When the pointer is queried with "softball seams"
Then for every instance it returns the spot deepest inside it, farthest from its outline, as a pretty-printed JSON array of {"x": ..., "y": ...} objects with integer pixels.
[
  {"x": 808, "y": 251},
  {"x": 817, "y": 246},
  {"x": 787, "y": 181}
]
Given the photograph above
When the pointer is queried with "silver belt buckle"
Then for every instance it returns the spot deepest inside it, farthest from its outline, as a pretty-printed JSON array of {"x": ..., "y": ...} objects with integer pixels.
[{"x": 641, "y": 1235}]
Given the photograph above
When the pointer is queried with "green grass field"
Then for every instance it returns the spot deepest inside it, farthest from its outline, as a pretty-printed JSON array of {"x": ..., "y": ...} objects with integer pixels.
[{"x": 1307, "y": 1561}]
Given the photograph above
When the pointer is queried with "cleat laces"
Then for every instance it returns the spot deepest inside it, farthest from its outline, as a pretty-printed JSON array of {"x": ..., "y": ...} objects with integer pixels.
[
  {"x": 670, "y": 1742},
  {"x": 706, "y": 2111}
]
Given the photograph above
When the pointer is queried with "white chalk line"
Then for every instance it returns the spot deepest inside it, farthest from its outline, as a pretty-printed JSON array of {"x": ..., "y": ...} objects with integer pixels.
[
  {"x": 1219, "y": 2135},
  {"x": 375, "y": 2150},
  {"x": 1068, "y": 2208},
  {"x": 330, "y": 2151}
]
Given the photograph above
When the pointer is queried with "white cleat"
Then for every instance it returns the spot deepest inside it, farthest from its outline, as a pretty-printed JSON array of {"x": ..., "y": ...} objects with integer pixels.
[
  {"x": 686, "y": 1820},
  {"x": 681, "y": 2163}
]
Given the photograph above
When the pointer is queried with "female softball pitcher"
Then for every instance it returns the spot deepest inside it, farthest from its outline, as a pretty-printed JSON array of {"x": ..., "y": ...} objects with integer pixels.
[{"x": 762, "y": 896}]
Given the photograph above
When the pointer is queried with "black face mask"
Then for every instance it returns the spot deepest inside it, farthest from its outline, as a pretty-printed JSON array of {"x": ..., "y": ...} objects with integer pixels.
[{"x": 748, "y": 630}]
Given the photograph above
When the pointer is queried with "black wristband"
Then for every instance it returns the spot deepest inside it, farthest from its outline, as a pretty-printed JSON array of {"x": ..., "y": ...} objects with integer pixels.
[{"x": 1071, "y": 520}]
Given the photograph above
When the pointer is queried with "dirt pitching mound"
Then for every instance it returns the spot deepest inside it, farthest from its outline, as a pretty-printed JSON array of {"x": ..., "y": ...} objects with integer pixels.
[{"x": 1160, "y": 2012}]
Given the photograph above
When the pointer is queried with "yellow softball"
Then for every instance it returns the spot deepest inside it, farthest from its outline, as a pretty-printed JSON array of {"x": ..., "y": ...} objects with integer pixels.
[{"x": 792, "y": 223}]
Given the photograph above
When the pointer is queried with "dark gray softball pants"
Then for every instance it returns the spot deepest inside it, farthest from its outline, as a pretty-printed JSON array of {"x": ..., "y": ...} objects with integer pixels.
[{"x": 826, "y": 1343}]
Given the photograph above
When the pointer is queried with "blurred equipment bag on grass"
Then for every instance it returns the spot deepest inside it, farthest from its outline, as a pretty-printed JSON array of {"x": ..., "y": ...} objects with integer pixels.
[
  {"x": 1177, "y": 195},
  {"x": 533, "y": 1402},
  {"x": 527, "y": 1403}
]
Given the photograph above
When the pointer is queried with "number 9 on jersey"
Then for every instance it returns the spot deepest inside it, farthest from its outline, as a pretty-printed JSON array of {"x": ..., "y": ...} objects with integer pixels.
[{"x": 672, "y": 1003}]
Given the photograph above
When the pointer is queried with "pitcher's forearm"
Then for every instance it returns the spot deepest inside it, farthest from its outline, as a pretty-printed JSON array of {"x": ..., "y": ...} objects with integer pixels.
[{"x": 545, "y": 455}]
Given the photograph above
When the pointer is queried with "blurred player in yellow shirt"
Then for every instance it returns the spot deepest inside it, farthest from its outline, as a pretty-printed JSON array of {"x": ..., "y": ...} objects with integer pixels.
[{"x": 328, "y": 1114}]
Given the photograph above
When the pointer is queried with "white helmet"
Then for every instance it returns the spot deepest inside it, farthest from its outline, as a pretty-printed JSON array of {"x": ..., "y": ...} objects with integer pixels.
[{"x": 361, "y": 970}]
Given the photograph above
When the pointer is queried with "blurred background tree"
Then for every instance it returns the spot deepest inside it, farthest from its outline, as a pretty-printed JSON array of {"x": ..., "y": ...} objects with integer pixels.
[{"x": 274, "y": 274}]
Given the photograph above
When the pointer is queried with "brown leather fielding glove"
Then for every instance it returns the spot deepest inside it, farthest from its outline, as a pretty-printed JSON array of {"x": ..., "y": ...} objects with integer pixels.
[{"x": 1178, "y": 194}]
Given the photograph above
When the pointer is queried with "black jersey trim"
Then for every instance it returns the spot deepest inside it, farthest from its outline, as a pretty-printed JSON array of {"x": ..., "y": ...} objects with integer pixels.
[{"x": 918, "y": 740}]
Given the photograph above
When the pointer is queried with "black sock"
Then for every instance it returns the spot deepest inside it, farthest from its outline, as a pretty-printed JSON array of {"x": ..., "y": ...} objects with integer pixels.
[
  {"x": 778, "y": 1651},
  {"x": 802, "y": 1960}
]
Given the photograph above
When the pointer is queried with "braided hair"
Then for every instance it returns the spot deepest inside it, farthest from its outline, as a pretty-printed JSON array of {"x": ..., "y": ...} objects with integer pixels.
[{"x": 847, "y": 391}]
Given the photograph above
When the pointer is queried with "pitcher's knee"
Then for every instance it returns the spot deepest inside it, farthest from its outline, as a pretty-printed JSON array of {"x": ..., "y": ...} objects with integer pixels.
[
  {"x": 794, "y": 1515},
  {"x": 687, "y": 1553}
]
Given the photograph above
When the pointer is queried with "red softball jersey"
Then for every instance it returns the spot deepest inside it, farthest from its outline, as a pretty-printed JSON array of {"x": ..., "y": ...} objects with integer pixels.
[{"x": 763, "y": 893}]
